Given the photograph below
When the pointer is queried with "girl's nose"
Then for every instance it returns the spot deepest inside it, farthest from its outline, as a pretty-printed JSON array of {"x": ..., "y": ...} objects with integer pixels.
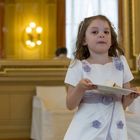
[{"x": 101, "y": 35}]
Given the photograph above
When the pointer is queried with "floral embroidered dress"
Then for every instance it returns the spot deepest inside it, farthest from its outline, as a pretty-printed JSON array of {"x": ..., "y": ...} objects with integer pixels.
[{"x": 99, "y": 117}]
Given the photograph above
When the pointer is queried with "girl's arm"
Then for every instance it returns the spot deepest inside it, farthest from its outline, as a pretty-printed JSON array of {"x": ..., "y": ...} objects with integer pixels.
[
  {"x": 128, "y": 99},
  {"x": 75, "y": 94}
]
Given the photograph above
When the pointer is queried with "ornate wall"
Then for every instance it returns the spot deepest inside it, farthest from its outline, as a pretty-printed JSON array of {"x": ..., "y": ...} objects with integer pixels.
[
  {"x": 15, "y": 15},
  {"x": 18, "y": 80},
  {"x": 1, "y": 27},
  {"x": 131, "y": 31},
  {"x": 19, "y": 77}
]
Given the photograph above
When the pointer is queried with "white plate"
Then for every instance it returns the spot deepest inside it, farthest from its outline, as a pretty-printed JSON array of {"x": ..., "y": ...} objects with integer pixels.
[{"x": 112, "y": 90}]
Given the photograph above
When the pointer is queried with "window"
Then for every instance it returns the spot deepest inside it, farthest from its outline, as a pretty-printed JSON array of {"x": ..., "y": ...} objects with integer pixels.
[{"x": 77, "y": 10}]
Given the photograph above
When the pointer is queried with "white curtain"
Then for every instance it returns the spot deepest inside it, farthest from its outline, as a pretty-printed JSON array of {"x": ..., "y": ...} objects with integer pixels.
[{"x": 77, "y": 10}]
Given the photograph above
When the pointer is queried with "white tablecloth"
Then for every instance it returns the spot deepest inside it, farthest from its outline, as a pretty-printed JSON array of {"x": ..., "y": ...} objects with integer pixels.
[
  {"x": 133, "y": 126},
  {"x": 135, "y": 106},
  {"x": 52, "y": 124},
  {"x": 48, "y": 124}
]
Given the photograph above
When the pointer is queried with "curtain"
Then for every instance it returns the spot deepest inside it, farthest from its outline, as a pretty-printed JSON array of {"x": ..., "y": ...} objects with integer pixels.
[{"x": 77, "y": 10}]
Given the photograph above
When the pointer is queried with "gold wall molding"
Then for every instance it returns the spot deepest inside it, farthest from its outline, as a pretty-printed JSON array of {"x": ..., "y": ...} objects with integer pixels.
[
  {"x": 127, "y": 32},
  {"x": 30, "y": 70},
  {"x": 49, "y": 14},
  {"x": 18, "y": 80},
  {"x": 17, "y": 15},
  {"x": 131, "y": 33},
  {"x": 61, "y": 23}
]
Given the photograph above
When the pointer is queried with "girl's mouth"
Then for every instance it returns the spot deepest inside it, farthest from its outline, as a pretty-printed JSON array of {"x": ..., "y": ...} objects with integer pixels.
[{"x": 101, "y": 42}]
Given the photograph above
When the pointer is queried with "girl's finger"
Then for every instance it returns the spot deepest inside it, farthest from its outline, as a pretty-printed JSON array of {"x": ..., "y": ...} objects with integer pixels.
[{"x": 94, "y": 86}]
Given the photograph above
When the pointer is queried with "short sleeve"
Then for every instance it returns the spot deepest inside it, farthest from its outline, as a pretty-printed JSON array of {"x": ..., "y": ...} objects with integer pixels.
[
  {"x": 74, "y": 73},
  {"x": 127, "y": 76}
]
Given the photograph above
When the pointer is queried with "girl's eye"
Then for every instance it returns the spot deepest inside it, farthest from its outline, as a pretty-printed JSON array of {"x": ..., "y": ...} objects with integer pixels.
[
  {"x": 106, "y": 32},
  {"x": 95, "y": 32}
]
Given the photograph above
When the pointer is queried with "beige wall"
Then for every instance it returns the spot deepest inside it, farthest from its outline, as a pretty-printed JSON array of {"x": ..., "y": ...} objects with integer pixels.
[
  {"x": 18, "y": 80},
  {"x": 130, "y": 29}
]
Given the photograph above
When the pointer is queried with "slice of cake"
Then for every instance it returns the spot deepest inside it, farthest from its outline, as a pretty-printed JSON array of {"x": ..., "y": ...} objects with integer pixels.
[
  {"x": 111, "y": 84},
  {"x": 115, "y": 85}
]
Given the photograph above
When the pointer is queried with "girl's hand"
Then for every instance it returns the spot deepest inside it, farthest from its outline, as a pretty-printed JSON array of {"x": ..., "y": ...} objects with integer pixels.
[
  {"x": 75, "y": 94},
  {"x": 128, "y": 99},
  {"x": 87, "y": 84},
  {"x": 136, "y": 92}
]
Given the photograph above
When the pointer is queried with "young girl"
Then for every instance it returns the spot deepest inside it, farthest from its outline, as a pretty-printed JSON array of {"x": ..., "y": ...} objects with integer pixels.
[{"x": 98, "y": 61}]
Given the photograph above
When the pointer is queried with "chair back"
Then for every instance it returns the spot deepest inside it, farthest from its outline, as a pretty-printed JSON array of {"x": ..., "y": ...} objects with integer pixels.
[{"x": 54, "y": 96}]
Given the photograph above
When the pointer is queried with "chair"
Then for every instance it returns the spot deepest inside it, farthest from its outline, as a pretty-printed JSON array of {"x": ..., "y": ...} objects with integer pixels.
[
  {"x": 135, "y": 106},
  {"x": 133, "y": 125},
  {"x": 50, "y": 117}
]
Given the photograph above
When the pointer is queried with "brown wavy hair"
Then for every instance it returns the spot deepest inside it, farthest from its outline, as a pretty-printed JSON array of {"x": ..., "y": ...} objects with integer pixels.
[{"x": 82, "y": 51}]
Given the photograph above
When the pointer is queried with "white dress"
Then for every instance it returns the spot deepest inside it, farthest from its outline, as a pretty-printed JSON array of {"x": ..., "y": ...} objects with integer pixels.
[{"x": 98, "y": 117}]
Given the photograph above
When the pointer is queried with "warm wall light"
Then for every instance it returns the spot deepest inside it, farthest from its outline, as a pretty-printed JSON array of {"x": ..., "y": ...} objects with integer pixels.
[{"x": 33, "y": 35}]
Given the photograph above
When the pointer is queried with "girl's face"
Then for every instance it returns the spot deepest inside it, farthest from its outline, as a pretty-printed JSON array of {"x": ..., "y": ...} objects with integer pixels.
[{"x": 98, "y": 37}]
